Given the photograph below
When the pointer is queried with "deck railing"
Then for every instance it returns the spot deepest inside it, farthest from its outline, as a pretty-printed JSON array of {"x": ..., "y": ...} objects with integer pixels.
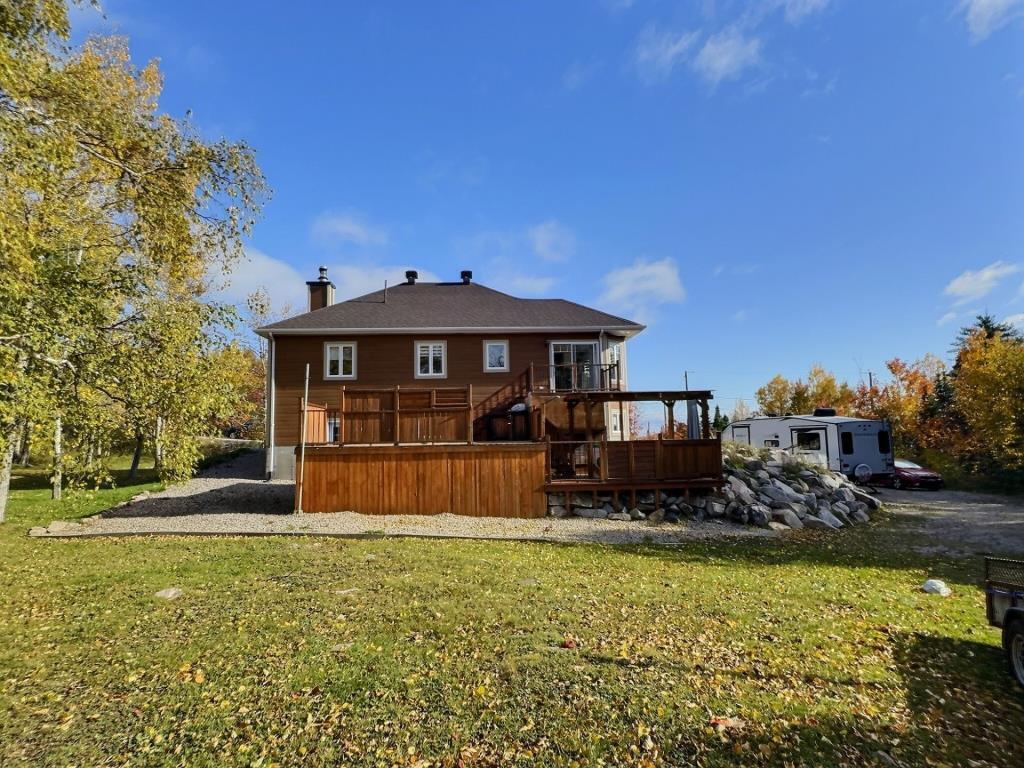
[
  {"x": 631, "y": 461},
  {"x": 393, "y": 416}
]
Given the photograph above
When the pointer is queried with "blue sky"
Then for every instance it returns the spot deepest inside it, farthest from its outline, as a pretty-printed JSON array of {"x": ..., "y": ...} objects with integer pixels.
[{"x": 767, "y": 184}]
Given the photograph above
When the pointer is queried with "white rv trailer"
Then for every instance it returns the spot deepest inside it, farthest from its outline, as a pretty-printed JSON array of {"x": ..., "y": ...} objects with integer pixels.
[{"x": 859, "y": 448}]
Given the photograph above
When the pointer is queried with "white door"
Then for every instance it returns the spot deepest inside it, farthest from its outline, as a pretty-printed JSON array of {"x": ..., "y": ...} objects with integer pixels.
[{"x": 810, "y": 444}]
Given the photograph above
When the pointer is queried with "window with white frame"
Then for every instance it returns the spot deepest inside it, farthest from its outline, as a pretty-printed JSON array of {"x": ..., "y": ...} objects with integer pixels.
[
  {"x": 431, "y": 360},
  {"x": 616, "y": 425},
  {"x": 340, "y": 360},
  {"x": 496, "y": 356}
]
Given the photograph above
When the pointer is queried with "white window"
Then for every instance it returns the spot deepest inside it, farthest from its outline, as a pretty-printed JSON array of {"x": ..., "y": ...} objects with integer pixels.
[
  {"x": 616, "y": 426},
  {"x": 431, "y": 360},
  {"x": 340, "y": 360},
  {"x": 495, "y": 356}
]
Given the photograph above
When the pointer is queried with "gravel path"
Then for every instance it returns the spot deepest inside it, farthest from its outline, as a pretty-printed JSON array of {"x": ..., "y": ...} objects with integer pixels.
[
  {"x": 959, "y": 523},
  {"x": 232, "y": 499}
]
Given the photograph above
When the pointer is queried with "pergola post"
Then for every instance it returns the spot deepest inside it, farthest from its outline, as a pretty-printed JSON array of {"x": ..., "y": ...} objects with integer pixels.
[{"x": 671, "y": 406}]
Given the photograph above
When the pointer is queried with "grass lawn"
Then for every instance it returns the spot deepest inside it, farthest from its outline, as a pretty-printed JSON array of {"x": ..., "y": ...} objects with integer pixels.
[{"x": 288, "y": 651}]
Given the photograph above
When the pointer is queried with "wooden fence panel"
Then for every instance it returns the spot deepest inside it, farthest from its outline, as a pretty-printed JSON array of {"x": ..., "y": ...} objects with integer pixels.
[{"x": 484, "y": 480}]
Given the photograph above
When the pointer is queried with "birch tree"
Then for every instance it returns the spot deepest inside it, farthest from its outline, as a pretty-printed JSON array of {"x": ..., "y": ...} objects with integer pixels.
[{"x": 107, "y": 209}]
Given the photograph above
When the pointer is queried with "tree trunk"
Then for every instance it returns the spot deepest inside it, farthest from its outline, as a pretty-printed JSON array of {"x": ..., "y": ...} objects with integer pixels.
[
  {"x": 158, "y": 446},
  {"x": 24, "y": 451},
  {"x": 58, "y": 459},
  {"x": 6, "y": 464},
  {"x": 137, "y": 456}
]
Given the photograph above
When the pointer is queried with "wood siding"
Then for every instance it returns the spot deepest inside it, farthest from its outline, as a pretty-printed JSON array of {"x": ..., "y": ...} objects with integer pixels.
[
  {"x": 493, "y": 480},
  {"x": 386, "y": 361}
]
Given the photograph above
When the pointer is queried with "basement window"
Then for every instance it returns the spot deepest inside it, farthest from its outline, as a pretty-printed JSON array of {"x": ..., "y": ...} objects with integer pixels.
[
  {"x": 340, "y": 360},
  {"x": 431, "y": 360}
]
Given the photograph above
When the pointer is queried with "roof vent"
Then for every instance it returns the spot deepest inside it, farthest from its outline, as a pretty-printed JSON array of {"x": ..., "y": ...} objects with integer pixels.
[
  {"x": 467, "y": 276},
  {"x": 824, "y": 412},
  {"x": 323, "y": 275},
  {"x": 411, "y": 276}
]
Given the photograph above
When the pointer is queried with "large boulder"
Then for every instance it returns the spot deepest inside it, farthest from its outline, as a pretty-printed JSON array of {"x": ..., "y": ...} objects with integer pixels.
[
  {"x": 742, "y": 491},
  {"x": 787, "y": 516},
  {"x": 594, "y": 514},
  {"x": 844, "y": 494},
  {"x": 776, "y": 494},
  {"x": 824, "y": 513},
  {"x": 582, "y": 500},
  {"x": 865, "y": 498},
  {"x": 714, "y": 508},
  {"x": 759, "y": 515},
  {"x": 816, "y": 523},
  {"x": 558, "y": 511},
  {"x": 839, "y": 511}
]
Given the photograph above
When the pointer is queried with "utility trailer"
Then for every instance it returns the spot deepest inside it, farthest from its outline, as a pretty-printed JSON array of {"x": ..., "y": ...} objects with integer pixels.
[
  {"x": 861, "y": 449},
  {"x": 1004, "y": 607}
]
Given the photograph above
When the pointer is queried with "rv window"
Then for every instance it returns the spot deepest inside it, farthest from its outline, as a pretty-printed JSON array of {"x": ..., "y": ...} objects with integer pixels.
[
  {"x": 883, "y": 442},
  {"x": 808, "y": 441},
  {"x": 847, "y": 438},
  {"x": 771, "y": 443}
]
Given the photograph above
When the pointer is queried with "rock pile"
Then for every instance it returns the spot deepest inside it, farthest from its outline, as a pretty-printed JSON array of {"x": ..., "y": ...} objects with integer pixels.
[{"x": 769, "y": 490}]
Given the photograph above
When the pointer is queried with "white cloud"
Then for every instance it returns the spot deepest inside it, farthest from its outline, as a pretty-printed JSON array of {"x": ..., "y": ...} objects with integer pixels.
[
  {"x": 637, "y": 289},
  {"x": 551, "y": 240},
  {"x": 286, "y": 286},
  {"x": 1015, "y": 320},
  {"x": 984, "y": 17},
  {"x": 797, "y": 10},
  {"x": 657, "y": 51},
  {"x": 946, "y": 319},
  {"x": 347, "y": 227},
  {"x": 974, "y": 284},
  {"x": 282, "y": 282},
  {"x": 725, "y": 56}
]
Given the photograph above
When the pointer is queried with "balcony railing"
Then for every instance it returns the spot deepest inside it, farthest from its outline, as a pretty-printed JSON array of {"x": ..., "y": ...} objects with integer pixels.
[{"x": 578, "y": 377}]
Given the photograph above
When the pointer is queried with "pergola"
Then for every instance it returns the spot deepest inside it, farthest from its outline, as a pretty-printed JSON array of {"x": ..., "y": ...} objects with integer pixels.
[{"x": 668, "y": 398}]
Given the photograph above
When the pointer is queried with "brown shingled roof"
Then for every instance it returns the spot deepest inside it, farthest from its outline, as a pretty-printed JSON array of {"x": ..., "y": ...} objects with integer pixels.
[{"x": 451, "y": 307}]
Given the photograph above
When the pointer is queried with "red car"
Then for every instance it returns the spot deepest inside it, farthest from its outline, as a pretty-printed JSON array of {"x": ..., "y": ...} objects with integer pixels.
[{"x": 911, "y": 475}]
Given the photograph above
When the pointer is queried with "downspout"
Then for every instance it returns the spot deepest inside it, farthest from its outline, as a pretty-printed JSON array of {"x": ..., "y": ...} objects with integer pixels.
[{"x": 271, "y": 403}]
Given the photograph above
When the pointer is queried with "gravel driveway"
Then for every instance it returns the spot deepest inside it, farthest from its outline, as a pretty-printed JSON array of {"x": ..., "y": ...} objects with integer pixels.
[
  {"x": 957, "y": 522},
  {"x": 232, "y": 498}
]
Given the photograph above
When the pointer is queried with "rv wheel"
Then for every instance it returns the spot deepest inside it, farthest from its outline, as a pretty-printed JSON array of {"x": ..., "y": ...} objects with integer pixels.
[
  {"x": 897, "y": 483},
  {"x": 862, "y": 472}
]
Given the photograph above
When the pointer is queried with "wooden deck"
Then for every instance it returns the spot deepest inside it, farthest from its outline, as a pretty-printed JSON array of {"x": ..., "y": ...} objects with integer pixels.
[
  {"x": 484, "y": 480},
  {"x": 416, "y": 451}
]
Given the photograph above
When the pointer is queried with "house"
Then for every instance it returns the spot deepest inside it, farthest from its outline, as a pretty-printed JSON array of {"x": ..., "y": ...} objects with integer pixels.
[{"x": 454, "y": 370}]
